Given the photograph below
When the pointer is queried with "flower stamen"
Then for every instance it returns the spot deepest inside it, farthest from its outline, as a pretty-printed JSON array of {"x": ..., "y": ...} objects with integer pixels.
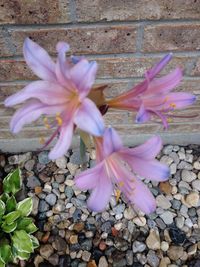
[
  {"x": 59, "y": 119},
  {"x": 46, "y": 123}
]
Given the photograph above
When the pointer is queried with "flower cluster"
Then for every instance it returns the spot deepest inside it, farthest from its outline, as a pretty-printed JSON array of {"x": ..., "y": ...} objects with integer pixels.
[{"x": 64, "y": 91}]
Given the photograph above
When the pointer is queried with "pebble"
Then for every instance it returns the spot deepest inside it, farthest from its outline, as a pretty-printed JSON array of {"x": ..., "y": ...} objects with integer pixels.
[
  {"x": 164, "y": 246},
  {"x": 152, "y": 259},
  {"x": 153, "y": 240},
  {"x": 33, "y": 181},
  {"x": 192, "y": 199},
  {"x": 163, "y": 202},
  {"x": 61, "y": 162},
  {"x": 138, "y": 246},
  {"x": 196, "y": 165},
  {"x": 86, "y": 255},
  {"x": 167, "y": 217},
  {"x": 51, "y": 199},
  {"x": 43, "y": 157},
  {"x": 43, "y": 206},
  {"x": 46, "y": 251},
  {"x": 196, "y": 185},
  {"x": 188, "y": 176},
  {"x": 164, "y": 262},
  {"x": 103, "y": 262},
  {"x": 175, "y": 252},
  {"x": 140, "y": 221}
]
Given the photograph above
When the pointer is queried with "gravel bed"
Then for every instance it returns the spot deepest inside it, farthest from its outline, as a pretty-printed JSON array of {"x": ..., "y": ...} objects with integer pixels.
[{"x": 71, "y": 235}]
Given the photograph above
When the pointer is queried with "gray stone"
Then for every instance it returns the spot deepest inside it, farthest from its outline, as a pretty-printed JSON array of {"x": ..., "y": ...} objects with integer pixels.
[
  {"x": 35, "y": 200},
  {"x": 196, "y": 184},
  {"x": 54, "y": 259},
  {"x": 138, "y": 246},
  {"x": 167, "y": 149},
  {"x": 51, "y": 199},
  {"x": 46, "y": 251},
  {"x": 86, "y": 255},
  {"x": 60, "y": 178},
  {"x": 106, "y": 227},
  {"x": 33, "y": 181},
  {"x": 167, "y": 217},
  {"x": 188, "y": 176},
  {"x": 61, "y": 162},
  {"x": 119, "y": 208},
  {"x": 163, "y": 202},
  {"x": 43, "y": 157},
  {"x": 166, "y": 160},
  {"x": 43, "y": 206},
  {"x": 29, "y": 165},
  {"x": 103, "y": 262},
  {"x": 152, "y": 259},
  {"x": 176, "y": 204},
  {"x": 185, "y": 165}
]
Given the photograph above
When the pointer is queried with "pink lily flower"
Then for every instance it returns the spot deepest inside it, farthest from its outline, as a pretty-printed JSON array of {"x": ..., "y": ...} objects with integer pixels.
[
  {"x": 119, "y": 167},
  {"x": 153, "y": 96},
  {"x": 62, "y": 92}
]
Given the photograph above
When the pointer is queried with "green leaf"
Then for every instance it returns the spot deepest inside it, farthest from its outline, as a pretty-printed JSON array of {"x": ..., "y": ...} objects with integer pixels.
[
  {"x": 22, "y": 223},
  {"x": 5, "y": 253},
  {"x": 22, "y": 255},
  {"x": 2, "y": 264},
  {"x": 22, "y": 241},
  {"x": 4, "y": 197},
  {"x": 2, "y": 208},
  {"x": 11, "y": 204},
  {"x": 35, "y": 242},
  {"x": 25, "y": 206},
  {"x": 8, "y": 228},
  {"x": 31, "y": 228},
  {"x": 12, "y": 216},
  {"x": 12, "y": 182}
]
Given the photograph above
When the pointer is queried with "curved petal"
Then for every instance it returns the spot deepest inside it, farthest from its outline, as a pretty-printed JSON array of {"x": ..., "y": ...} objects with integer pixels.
[
  {"x": 165, "y": 84},
  {"x": 88, "y": 118},
  {"x": 142, "y": 197},
  {"x": 63, "y": 142},
  {"x": 47, "y": 92},
  {"x": 179, "y": 100},
  {"x": 148, "y": 150},
  {"x": 100, "y": 195},
  {"x": 111, "y": 142},
  {"x": 89, "y": 178},
  {"x": 83, "y": 75},
  {"x": 143, "y": 115},
  {"x": 39, "y": 60},
  {"x": 30, "y": 112},
  {"x": 150, "y": 169}
]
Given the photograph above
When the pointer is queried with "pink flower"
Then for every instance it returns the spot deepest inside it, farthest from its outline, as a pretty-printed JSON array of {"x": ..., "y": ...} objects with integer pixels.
[
  {"x": 153, "y": 96},
  {"x": 62, "y": 91},
  {"x": 118, "y": 166}
]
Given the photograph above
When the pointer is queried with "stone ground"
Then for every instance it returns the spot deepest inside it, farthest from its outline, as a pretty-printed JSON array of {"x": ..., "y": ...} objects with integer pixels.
[{"x": 70, "y": 235}]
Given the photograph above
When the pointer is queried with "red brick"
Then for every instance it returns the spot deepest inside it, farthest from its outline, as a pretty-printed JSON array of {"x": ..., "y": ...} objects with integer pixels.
[
  {"x": 124, "y": 67},
  {"x": 104, "y": 10},
  {"x": 172, "y": 37},
  {"x": 83, "y": 40},
  {"x": 34, "y": 12}
]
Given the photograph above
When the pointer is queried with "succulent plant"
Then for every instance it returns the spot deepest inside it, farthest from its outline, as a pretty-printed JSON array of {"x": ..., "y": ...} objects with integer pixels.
[{"x": 16, "y": 228}]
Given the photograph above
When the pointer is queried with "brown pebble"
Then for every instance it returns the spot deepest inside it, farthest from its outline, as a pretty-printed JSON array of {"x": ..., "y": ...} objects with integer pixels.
[
  {"x": 102, "y": 245},
  {"x": 38, "y": 190},
  {"x": 114, "y": 231},
  {"x": 165, "y": 187},
  {"x": 73, "y": 239},
  {"x": 45, "y": 238},
  {"x": 78, "y": 227},
  {"x": 91, "y": 264}
]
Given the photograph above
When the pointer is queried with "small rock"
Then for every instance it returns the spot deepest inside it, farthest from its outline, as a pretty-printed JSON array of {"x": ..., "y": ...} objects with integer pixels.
[
  {"x": 138, "y": 246},
  {"x": 33, "y": 181},
  {"x": 54, "y": 259},
  {"x": 152, "y": 259},
  {"x": 29, "y": 165},
  {"x": 60, "y": 244},
  {"x": 119, "y": 208},
  {"x": 192, "y": 199},
  {"x": 47, "y": 188},
  {"x": 163, "y": 202},
  {"x": 164, "y": 262},
  {"x": 72, "y": 168},
  {"x": 167, "y": 217},
  {"x": 165, "y": 187},
  {"x": 196, "y": 185},
  {"x": 129, "y": 258},
  {"x": 175, "y": 252},
  {"x": 43, "y": 157},
  {"x": 60, "y": 178},
  {"x": 196, "y": 165},
  {"x": 167, "y": 149},
  {"x": 188, "y": 176},
  {"x": 43, "y": 206},
  {"x": 86, "y": 255},
  {"x": 51, "y": 199},
  {"x": 35, "y": 201},
  {"x": 38, "y": 259},
  {"x": 140, "y": 221},
  {"x": 177, "y": 236},
  {"x": 185, "y": 165},
  {"x": 46, "y": 251},
  {"x": 192, "y": 250},
  {"x": 129, "y": 213},
  {"x": 153, "y": 240},
  {"x": 61, "y": 162},
  {"x": 164, "y": 246},
  {"x": 166, "y": 160}
]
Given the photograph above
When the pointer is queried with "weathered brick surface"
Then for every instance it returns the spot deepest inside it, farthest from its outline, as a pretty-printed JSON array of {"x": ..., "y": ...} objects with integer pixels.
[
  {"x": 34, "y": 12},
  {"x": 172, "y": 37},
  {"x": 119, "y": 67},
  {"x": 83, "y": 40},
  {"x": 104, "y": 10}
]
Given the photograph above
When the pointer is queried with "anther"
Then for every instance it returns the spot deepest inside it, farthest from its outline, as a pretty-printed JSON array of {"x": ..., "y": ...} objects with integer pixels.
[
  {"x": 42, "y": 140},
  {"x": 172, "y": 105},
  {"x": 46, "y": 124},
  {"x": 59, "y": 119},
  {"x": 121, "y": 184}
]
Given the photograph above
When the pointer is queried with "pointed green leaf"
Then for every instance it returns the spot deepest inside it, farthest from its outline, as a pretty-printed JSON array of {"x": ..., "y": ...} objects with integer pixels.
[
  {"x": 4, "y": 197},
  {"x": 22, "y": 241},
  {"x": 11, "y": 204},
  {"x": 12, "y": 216},
  {"x": 2, "y": 208},
  {"x": 8, "y": 228},
  {"x": 22, "y": 223},
  {"x": 22, "y": 255},
  {"x": 2, "y": 264},
  {"x": 35, "y": 242},
  {"x": 25, "y": 206},
  {"x": 31, "y": 228},
  {"x": 12, "y": 182},
  {"x": 5, "y": 253}
]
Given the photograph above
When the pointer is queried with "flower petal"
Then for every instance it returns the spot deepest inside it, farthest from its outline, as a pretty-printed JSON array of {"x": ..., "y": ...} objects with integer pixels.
[
  {"x": 111, "y": 142},
  {"x": 150, "y": 169},
  {"x": 63, "y": 142},
  {"x": 165, "y": 84},
  {"x": 180, "y": 100},
  {"x": 39, "y": 60},
  {"x": 142, "y": 197},
  {"x": 89, "y": 179},
  {"x": 30, "y": 112},
  {"x": 100, "y": 195},
  {"x": 143, "y": 115},
  {"x": 148, "y": 150},
  {"x": 88, "y": 118},
  {"x": 47, "y": 92},
  {"x": 83, "y": 75}
]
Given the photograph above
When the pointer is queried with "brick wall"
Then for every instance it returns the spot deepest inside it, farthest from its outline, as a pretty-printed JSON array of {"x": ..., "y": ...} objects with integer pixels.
[{"x": 125, "y": 37}]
